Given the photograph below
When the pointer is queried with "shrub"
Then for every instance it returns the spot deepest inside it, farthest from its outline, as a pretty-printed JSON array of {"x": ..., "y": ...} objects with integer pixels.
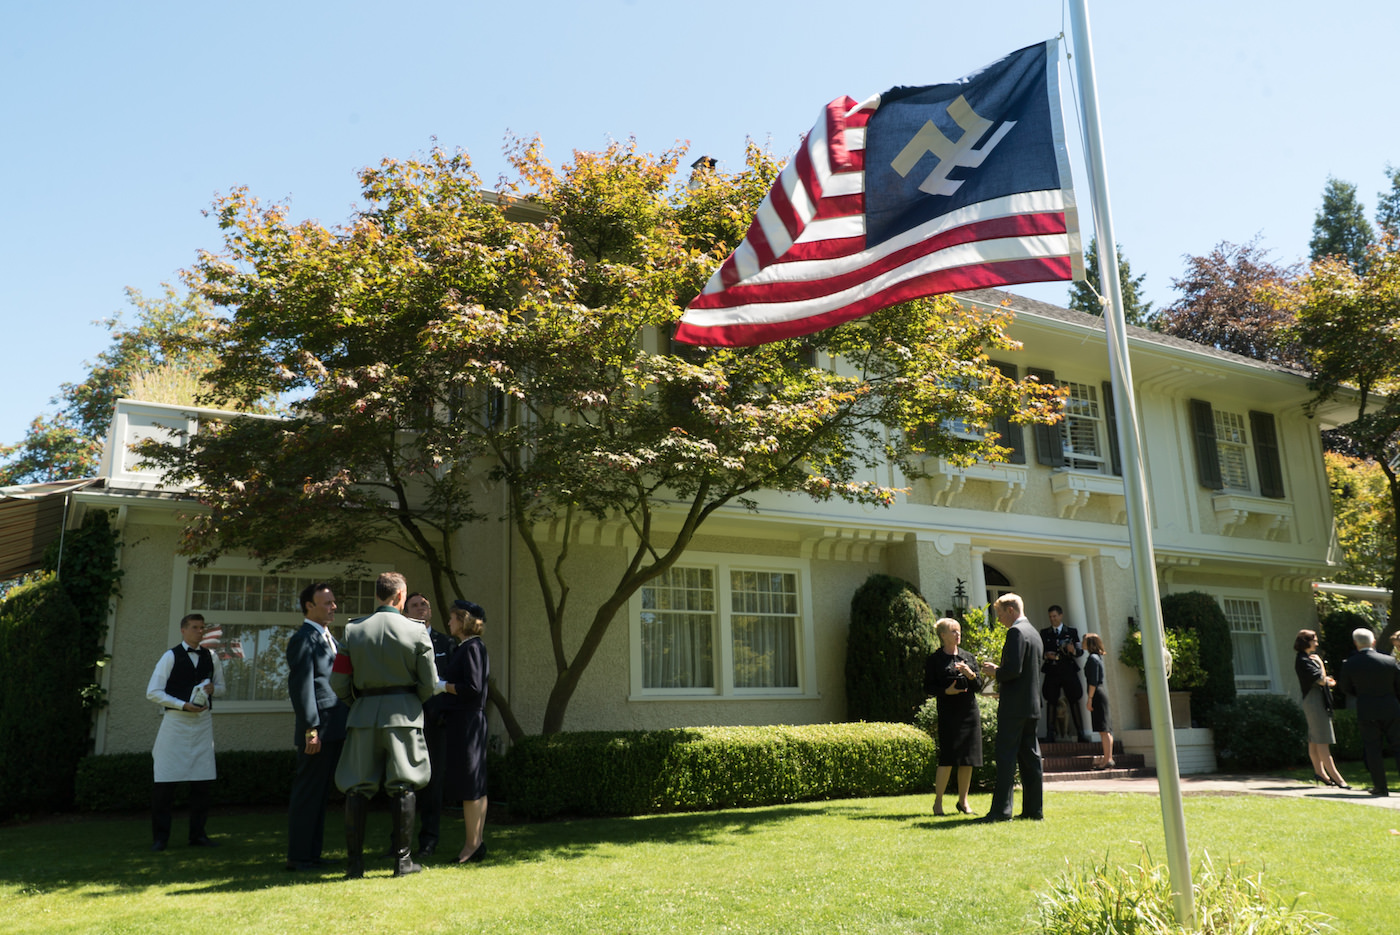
[
  {"x": 980, "y": 636},
  {"x": 1260, "y": 732},
  {"x": 1199, "y": 613},
  {"x": 1138, "y": 899},
  {"x": 692, "y": 769},
  {"x": 1186, "y": 672},
  {"x": 1348, "y": 731},
  {"x": 984, "y": 777},
  {"x": 891, "y": 635},
  {"x": 43, "y": 722},
  {"x": 1334, "y": 636}
]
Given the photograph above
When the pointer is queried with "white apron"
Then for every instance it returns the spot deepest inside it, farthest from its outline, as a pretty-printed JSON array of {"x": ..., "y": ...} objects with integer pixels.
[{"x": 184, "y": 749}]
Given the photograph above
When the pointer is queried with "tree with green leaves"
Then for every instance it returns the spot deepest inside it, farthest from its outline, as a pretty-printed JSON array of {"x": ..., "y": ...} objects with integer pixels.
[
  {"x": 1365, "y": 518},
  {"x": 1340, "y": 227},
  {"x": 1082, "y": 297},
  {"x": 155, "y": 358},
  {"x": 1388, "y": 208},
  {"x": 1348, "y": 323},
  {"x": 449, "y": 362},
  {"x": 1225, "y": 303}
]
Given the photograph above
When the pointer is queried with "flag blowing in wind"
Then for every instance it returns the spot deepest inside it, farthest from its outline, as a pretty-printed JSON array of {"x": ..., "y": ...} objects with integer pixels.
[{"x": 913, "y": 192}]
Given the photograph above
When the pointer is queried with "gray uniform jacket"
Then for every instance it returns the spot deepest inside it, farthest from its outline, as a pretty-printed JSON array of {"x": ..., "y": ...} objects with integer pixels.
[{"x": 386, "y": 651}]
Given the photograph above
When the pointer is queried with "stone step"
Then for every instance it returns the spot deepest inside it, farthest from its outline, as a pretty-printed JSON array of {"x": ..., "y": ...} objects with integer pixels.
[{"x": 1118, "y": 772}]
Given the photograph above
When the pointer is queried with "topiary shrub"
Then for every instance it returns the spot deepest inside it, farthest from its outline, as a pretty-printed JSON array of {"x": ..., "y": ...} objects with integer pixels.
[
  {"x": 891, "y": 636},
  {"x": 693, "y": 769},
  {"x": 1198, "y": 612},
  {"x": 1258, "y": 732},
  {"x": 43, "y": 721},
  {"x": 984, "y": 777}
]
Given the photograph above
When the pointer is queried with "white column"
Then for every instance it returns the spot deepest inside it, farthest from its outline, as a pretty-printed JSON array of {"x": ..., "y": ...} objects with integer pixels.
[
  {"x": 1077, "y": 615},
  {"x": 977, "y": 590}
]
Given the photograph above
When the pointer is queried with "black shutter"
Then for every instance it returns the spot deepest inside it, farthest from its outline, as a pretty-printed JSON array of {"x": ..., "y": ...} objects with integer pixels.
[
  {"x": 1207, "y": 454},
  {"x": 1266, "y": 459},
  {"x": 1049, "y": 449},
  {"x": 1110, "y": 415},
  {"x": 1011, "y": 434}
]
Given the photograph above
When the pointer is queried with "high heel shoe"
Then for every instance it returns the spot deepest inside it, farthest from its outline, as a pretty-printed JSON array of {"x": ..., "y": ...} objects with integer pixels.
[
  {"x": 938, "y": 811},
  {"x": 1323, "y": 779},
  {"x": 1342, "y": 785},
  {"x": 965, "y": 808}
]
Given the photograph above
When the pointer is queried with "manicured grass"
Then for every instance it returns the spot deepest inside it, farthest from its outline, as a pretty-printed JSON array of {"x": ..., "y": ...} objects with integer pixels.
[{"x": 861, "y": 866}]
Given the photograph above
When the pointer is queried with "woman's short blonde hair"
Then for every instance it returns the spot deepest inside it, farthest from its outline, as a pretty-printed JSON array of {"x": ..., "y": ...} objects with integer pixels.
[{"x": 944, "y": 624}]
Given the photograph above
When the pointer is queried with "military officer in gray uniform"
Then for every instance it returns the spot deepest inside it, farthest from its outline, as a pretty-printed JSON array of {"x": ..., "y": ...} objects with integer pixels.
[{"x": 385, "y": 672}]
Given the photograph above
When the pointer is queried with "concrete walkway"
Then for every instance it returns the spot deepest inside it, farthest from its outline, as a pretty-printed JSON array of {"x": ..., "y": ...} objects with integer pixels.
[{"x": 1226, "y": 784}]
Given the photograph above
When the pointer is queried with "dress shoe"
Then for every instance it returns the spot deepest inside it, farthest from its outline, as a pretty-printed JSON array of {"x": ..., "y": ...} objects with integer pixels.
[
  {"x": 476, "y": 856},
  {"x": 1030, "y": 817},
  {"x": 203, "y": 841},
  {"x": 989, "y": 819},
  {"x": 427, "y": 850},
  {"x": 965, "y": 808},
  {"x": 158, "y": 846},
  {"x": 1378, "y": 793}
]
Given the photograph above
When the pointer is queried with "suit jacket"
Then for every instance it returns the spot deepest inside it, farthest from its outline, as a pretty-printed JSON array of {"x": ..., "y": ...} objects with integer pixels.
[
  {"x": 385, "y": 650},
  {"x": 436, "y": 706},
  {"x": 1374, "y": 678},
  {"x": 1019, "y": 677},
  {"x": 314, "y": 702}
]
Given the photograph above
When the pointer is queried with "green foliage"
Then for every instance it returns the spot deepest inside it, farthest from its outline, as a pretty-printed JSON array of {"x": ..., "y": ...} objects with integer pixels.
[
  {"x": 1365, "y": 519},
  {"x": 1185, "y": 649},
  {"x": 43, "y": 718},
  {"x": 1226, "y": 303},
  {"x": 1348, "y": 733},
  {"x": 1081, "y": 297},
  {"x": 984, "y": 777},
  {"x": 891, "y": 634},
  {"x": 1199, "y": 613},
  {"x": 982, "y": 635},
  {"x": 1258, "y": 732},
  {"x": 1388, "y": 208},
  {"x": 1340, "y": 228},
  {"x": 1334, "y": 640},
  {"x": 689, "y": 769},
  {"x": 1138, "y": 900}
]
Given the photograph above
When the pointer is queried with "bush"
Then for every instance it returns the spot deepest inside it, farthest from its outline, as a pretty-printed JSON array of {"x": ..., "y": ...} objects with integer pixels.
[
  {"x": 984, "y": 777},
  {"x": 1348, "y": 731},
  {"x": 1334, "y": 637},
  {"x": 692, "y": 769},
  {"x": 891, "y": 636},
  {"x": 1199, "y": 613},
  {"x": 1138, "y": 899},
  {"x": 1261, "y": 732}
]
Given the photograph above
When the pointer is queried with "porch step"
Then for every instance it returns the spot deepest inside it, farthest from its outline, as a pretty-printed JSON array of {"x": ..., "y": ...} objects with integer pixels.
[{"x": 1068, "y": 760}]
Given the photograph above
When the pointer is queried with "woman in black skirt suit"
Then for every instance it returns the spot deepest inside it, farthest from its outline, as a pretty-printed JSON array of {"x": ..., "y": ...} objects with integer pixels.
[
  {"x": 950, "y": 675},
  {"x": 1098, "y": 699},
  {"x": 465, "y": 714}
]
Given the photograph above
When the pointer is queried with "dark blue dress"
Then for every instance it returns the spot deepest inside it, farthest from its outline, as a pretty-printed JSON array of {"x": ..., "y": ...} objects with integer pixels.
[{"x": 465, "y": 722}]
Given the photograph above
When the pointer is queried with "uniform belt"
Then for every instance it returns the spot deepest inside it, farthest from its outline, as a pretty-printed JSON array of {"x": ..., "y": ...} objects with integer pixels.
[{"x": 391, "y": 690}]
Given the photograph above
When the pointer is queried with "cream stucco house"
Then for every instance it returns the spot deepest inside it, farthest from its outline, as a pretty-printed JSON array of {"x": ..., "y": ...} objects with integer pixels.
[{"x": 751, "y": 629}]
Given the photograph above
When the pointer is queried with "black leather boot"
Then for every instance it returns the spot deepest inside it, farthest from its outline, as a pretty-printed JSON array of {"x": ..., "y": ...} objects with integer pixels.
[
  {"x": 401, "y": 809},
  {"x": 356, "y": 808}
]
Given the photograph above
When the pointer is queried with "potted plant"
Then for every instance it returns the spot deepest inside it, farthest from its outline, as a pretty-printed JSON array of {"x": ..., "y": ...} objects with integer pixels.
[{"x": 1184, "y": 671}]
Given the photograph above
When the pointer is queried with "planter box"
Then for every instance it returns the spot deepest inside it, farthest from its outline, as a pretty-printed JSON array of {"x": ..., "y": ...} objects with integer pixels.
[{"x": 1180, "y": 705}]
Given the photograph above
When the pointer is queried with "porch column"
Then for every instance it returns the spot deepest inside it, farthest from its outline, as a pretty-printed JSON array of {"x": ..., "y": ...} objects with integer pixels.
[
  {"x": 1077, "y": 615},
  {"x": 977, "y": 590}
]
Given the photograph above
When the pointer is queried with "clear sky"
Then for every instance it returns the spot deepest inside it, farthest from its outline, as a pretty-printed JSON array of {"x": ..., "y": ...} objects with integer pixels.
[{"x": 122, "y": 121}]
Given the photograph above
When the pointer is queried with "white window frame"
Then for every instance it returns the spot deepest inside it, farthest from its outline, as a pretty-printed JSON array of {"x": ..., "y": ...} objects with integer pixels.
[
  {"x": 182, "y": 595},
  {"x": 1266, "y": 683},
  {"x": 721, "y": 564},
  {"x": 1232, "y": 446},
  {"x": 1076, "y": 408}
]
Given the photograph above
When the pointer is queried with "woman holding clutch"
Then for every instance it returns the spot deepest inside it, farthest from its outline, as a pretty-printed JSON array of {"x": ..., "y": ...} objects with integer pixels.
[{"x": 950, "y": 675}]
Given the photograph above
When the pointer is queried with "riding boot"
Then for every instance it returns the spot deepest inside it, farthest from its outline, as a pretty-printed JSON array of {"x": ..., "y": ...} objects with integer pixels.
[
  {"x": 401, "y": 807},
  {"x": 356, "y": 809}
]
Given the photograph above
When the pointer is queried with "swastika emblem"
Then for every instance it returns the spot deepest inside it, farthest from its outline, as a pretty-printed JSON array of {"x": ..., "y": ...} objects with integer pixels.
[{"x": 950, "y": 155}]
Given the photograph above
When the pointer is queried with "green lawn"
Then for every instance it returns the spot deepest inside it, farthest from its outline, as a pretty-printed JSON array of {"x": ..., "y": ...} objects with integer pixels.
[{"x": 860, "y": 866}]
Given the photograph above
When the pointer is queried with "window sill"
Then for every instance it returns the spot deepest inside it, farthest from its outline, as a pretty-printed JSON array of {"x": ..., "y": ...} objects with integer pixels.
[
  {"x": 1074, "y": 489},
  {"x": 1234, "y": 511},
  {"x": 947, "y": 481}
]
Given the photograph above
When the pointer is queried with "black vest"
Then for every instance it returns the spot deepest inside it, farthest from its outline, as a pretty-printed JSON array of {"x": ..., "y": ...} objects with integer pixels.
[{"x": 185, "y": 675}]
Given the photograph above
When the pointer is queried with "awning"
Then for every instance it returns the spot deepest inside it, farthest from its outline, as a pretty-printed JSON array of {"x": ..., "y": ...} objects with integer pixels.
[{"x": 31, "y": 517}]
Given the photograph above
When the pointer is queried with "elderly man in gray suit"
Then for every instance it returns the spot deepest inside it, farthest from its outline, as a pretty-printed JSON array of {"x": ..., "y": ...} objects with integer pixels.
[
  {"x": 1374, "y": 678},
  {"x": 1018, "y": 712},
  {"x": 385, "y": 672}
]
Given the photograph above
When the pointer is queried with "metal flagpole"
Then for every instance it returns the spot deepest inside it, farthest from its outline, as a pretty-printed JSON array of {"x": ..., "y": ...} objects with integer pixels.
[{"x": 1135, "y": 490}]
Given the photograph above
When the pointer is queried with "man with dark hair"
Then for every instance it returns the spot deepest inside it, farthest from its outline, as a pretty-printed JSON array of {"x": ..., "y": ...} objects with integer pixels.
[
  {"x": 186, "y": 678},
  {"x": 319, "y": 733},
  {"x": 385, "y": 672},
  {"x": 1061, "y": 672},
  {"x": 417, "y": 607},
  {"x": 1374, "y": 679},
  {"x": 1018, "y": 713}
]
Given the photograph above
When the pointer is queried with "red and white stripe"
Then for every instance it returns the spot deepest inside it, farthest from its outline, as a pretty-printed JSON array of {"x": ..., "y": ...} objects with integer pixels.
[{"x": 804, "y": 266}]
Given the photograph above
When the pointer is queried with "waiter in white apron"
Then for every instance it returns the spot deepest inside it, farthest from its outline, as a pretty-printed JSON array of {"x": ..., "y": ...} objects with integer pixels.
[{"x": 184, "y": 683}]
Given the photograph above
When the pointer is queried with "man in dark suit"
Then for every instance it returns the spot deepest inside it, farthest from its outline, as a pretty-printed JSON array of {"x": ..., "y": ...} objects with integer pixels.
[
  {"x": 418, "y": 607},
  {"x": 319, "y": 734},
  {"x": 1061, "y": 672},
  {"x": 1374, "y": 679},
  {"x": 1018, "y": 713},
  {"x": 386, "y": 672}
]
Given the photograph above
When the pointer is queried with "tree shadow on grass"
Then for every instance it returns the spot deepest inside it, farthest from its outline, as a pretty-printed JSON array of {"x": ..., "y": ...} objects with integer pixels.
[{"x": 111, "y": 855}]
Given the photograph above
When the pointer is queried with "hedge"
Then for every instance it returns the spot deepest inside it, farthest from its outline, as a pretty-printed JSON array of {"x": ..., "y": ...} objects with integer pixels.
[
  {"x": 890, "y": 637},
  {"x": 1258, "y": 732},
  {"x": 699, "y": 768}
]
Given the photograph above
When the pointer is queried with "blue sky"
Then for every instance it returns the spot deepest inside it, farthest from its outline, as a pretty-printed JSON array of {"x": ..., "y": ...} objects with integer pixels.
[{"x": 122, "y": 121}]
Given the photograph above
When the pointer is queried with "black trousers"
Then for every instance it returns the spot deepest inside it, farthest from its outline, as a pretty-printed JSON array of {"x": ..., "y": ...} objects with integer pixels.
[
  {"x": 163, "y": 795},
  {"x": 311, "y": 788},
  {"x": 1375, "y": 737},
  {"x": 1017, "y": 746}
]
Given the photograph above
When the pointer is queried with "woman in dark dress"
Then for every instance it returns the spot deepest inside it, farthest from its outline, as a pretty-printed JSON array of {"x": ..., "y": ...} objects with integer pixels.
[
  {"x": 465, "y": 714},
  {"x": 1098, "y": 699},
  {"x": 950, "y": 675},
  {"x": 1316, "y": 686}
]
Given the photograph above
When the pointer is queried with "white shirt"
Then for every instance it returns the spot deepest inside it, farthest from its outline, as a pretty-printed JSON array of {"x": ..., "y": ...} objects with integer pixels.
[{"x": 155, "y": 688}]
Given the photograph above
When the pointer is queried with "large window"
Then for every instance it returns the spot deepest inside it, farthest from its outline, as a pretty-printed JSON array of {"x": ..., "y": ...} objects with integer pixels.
[
  {"x": 249, "y": 618},
  {"x": 1082, "y": 428},
  {"x": 721, "y": 625},
  {"x": 1250, "y": 641},
  {"x": 1230, "y": 444},
  {"x": 1230, "y": 441}
]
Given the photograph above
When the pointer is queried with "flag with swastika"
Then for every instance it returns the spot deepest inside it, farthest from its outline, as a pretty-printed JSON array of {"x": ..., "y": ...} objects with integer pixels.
[{"x": 914, "y": 192}]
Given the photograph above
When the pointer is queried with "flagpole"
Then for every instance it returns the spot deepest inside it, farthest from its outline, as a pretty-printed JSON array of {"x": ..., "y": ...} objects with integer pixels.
[{"x": 1135, "y": 489}]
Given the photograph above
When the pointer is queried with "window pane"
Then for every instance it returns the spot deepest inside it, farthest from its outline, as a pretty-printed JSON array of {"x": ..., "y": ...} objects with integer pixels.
[
  {"x": 254, "y": 660},
  {"x": 678, "y": 627},
  {"x": 1079, "y": 431},
  {"x": 764, "y": 630},
  {"x": 1230, "y": 442},
  {"x": 1249, "y": 641}
]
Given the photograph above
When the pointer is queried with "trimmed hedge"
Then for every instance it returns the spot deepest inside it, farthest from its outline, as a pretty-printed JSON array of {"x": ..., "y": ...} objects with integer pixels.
[
  {"x": 891, "y": 635},
  {"x": 1260, "y": 732},
  {"x": 699, "y": 768}
]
